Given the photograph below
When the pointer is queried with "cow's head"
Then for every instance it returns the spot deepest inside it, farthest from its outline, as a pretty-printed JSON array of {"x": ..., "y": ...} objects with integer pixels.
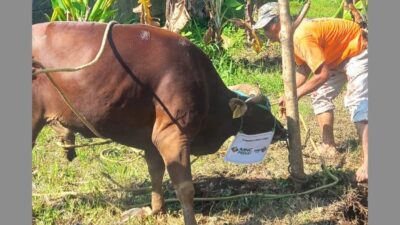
[{"x": 255, "y": 116}]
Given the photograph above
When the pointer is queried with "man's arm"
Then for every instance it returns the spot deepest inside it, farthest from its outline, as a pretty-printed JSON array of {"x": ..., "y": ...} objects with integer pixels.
[
  {"x": 321, "y": 75},
  {"x": 301, "y": 74}
]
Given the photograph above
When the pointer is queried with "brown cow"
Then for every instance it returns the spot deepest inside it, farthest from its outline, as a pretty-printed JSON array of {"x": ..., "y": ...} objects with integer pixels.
[{"x": 151, "y": 89}]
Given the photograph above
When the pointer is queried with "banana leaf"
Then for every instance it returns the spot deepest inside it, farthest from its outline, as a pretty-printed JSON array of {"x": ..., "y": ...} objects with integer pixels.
[{"x": 58, "y": 14}]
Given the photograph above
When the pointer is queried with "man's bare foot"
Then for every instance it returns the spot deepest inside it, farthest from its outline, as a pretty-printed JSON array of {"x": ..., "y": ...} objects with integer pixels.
[
  {"x": 328, "y": 151},
  {"x": 329, "y": 155},
  {"x": 362, "y": 174},
  {"x": 135, "y": 213}
]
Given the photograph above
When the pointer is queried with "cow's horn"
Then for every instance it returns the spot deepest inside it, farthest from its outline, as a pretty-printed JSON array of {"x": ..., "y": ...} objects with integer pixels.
[
  {"x": 258, "y": 99},
  {"x": 238, "y": 107}
]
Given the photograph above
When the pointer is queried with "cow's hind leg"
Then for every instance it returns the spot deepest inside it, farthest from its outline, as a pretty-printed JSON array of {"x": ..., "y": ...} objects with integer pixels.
[
  {"x": 174, "y": 149},
  {"x": 37, "y": 125},
  {"x": 156, "y": 168},
  {"x": 38, "y": 120},
  {"x": 66, "y": 137}
]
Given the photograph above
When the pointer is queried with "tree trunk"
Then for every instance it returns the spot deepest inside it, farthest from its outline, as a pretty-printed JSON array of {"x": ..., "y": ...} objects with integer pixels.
[
  {"x": 292, "y": 113},
  {"x": 248, "y": 17}
]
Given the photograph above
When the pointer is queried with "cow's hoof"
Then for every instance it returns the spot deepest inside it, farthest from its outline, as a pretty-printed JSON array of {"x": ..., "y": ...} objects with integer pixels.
[
  {"x": 136, "y": 212},
  {"x": 71, "y": 154}
]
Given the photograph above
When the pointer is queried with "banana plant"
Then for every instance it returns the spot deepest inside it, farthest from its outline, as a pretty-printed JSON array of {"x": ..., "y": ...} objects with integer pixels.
[
  {"x": 143, "y": 9},
  {"x": 217, "y": 10},
  {"x": 361, "y": 6},
  {"x": 80, "y": 10}
]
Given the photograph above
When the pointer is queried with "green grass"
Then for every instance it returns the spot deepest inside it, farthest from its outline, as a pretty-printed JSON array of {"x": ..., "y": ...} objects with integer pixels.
[
  {"x": 318, "y": 8},
  {"x": 91, "y": 180}
]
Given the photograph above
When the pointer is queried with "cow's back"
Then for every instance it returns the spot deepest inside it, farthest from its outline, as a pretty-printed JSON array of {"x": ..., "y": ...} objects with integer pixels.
[{"x": 142, "y": 70}]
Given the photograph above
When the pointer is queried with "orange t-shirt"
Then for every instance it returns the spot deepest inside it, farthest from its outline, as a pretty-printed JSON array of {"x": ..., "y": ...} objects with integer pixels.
[{"x": 327, "y": 40}]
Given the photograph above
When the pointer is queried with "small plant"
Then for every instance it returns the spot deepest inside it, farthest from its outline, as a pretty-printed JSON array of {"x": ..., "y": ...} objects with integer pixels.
[{"x": 80, "y": 10}]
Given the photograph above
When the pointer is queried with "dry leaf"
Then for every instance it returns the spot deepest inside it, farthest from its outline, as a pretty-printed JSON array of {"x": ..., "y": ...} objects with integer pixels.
[
  {"x": 180, "y": 16},
  {"x": 145, "y": 11},
  {"x": 137, "y": 9}
]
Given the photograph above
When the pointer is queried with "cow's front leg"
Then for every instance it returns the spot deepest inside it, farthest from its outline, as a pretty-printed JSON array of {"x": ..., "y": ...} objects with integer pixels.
[{"x": 174, "y": 148}]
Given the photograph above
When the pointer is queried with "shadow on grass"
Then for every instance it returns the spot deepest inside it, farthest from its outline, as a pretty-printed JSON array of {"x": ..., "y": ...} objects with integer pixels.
[
  {"x": 279, "y": 209},
  {"x": 221, "y": 186},
  {"x": 256, "y": 209}
]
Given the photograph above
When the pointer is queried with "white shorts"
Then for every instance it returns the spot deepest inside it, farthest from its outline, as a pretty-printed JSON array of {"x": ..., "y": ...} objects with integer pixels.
[{"x": 355, "y": 71}]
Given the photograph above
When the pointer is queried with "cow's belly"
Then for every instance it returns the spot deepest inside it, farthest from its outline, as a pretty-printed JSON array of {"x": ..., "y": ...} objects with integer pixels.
[{"x": 130, "y": 124}]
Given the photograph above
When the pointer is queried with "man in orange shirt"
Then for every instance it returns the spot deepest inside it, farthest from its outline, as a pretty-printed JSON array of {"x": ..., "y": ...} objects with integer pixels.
[{"x": 334, "y": 51}]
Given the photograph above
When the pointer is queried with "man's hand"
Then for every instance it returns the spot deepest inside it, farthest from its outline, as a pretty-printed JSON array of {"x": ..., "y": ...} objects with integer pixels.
[{"x": 282, "y": 107}]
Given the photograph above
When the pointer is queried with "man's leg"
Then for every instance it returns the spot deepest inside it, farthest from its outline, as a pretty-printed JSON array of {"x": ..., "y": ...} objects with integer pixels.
[
  {"x": 357, "y": 102},
  {"x": 359, "y": 114},
  {"x": 325, "y": 122},
  {"x": 362, "y": 172},
  {"x": 324, "y": 109}
]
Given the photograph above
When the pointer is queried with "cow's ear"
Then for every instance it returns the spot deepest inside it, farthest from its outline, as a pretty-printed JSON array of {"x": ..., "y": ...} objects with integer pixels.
[{"x": 238, "y": 107}]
